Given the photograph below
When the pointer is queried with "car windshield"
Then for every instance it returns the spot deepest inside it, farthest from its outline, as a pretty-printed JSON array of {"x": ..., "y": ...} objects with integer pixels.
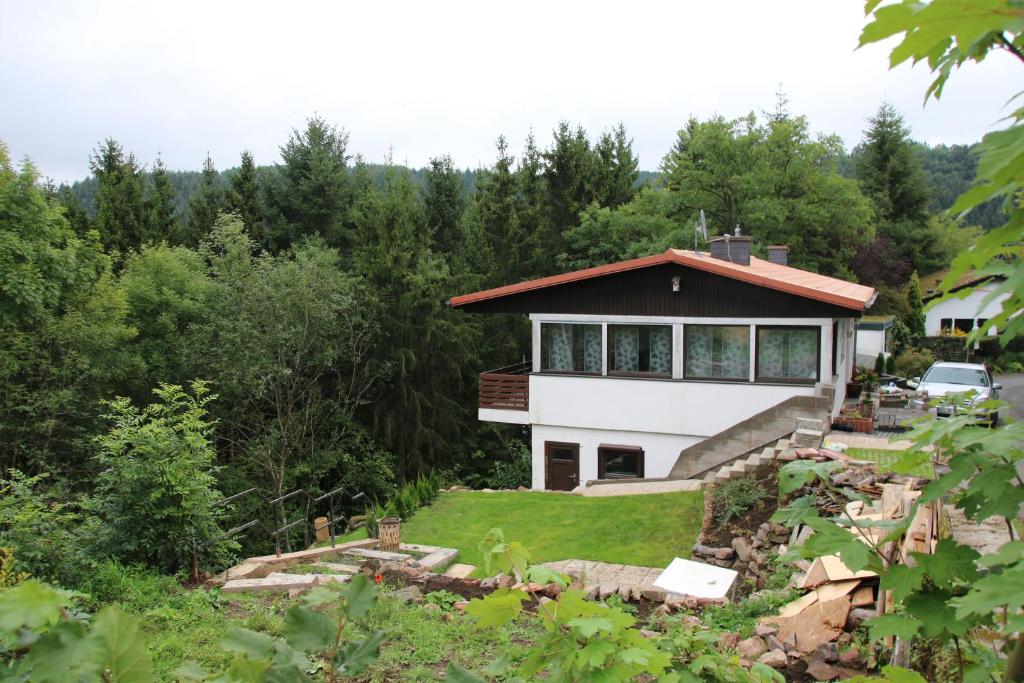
[{"x": 971, "y": 377}]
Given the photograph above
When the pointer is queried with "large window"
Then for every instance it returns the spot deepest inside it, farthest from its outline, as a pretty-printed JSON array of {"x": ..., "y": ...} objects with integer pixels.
[
  {"x": 619, "y": 462},
  {"x": 787, "y": 353},
  {"x": 717, "y": 352},
  {"x": 570, "y": 348},
  {"x": 640, "y": 349}
]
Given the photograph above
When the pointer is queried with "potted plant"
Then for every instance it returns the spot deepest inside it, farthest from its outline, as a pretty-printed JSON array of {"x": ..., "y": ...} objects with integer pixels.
[{"x": 856, "y": 384}]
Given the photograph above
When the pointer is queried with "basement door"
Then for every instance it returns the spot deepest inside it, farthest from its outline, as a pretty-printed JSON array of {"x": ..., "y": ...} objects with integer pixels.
[{"x": 561, "y": 466}]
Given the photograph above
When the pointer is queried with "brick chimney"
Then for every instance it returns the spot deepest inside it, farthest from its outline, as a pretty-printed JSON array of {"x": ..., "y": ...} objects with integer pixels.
[
  {"x": 733, "y": 248},
  {"x": 779, "y": 254}
]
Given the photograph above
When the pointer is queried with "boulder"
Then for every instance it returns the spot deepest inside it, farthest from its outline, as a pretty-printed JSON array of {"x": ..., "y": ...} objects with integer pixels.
[
  {"x": 751, "y": 648},
  {"x": 408, "y": 594},
  {"x": 729, "y": 641},
  {"x": 820, "y": 671},
  {"x": 851, "y": 658},
  {"x": 703, "y": 550},
  {"x": 776, "y": 659},
  {"x": 765, "y": 630},
  {"x": 858, "y": 616},
  {"x": 827, "y": 652}
]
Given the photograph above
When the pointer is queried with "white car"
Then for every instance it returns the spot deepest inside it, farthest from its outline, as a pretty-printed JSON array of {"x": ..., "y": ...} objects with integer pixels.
[{"x": 945, "y": 379}]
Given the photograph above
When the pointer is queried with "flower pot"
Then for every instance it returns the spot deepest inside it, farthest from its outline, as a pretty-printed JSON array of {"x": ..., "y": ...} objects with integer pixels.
[
  {"x": 864, "y": 425},
  {"x": 854, "y": 389}
]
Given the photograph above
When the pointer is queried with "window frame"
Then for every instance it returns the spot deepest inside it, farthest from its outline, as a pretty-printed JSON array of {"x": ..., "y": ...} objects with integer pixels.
[
  {"x": 586, "y": 373},
  {"x": 710, "y": 378},
  {"x": 602, "y": 451},
  {"x": 787, "y": 380},
  {"x": 609, "y": 351}
]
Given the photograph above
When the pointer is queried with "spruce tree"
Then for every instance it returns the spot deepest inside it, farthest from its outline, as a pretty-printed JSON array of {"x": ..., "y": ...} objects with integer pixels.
[
  {"x": 203, "y": 206},
  {"x": 120, "y": 206},
  {"x": 915, "y": 318},
  {"x": 244, "y": 195},
  {"x": 443, "y": 204},
  {"x": 497, "y": 203},
  {"x": 160, "y": 206},
  {"x": 73, "y": 210},
  {"x": 618, "y": 168},
  {"x": 571, "y": 169}
]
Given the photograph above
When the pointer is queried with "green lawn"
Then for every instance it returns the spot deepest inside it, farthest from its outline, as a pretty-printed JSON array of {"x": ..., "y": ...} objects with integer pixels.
[
  {"x": 886, "y": 458},
  {"x": 645, "y": 530}
]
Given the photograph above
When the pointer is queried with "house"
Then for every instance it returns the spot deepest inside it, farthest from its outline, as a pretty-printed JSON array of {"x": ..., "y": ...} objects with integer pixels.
[
  {"x": 651, "y": 368},
  {"x": 966, "y": 314},
  {"x": 874, "y": 336}
]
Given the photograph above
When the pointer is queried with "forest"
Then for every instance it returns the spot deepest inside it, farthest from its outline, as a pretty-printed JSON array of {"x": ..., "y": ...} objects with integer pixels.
[{"x": 289, "y": 320}]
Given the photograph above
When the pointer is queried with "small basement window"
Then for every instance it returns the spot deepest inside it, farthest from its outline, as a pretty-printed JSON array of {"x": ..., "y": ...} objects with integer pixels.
[{"x": 620, "y": 462}]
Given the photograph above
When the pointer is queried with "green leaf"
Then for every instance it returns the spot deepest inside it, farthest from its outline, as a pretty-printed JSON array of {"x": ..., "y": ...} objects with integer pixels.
[
  {"x": 496, "y": 609},
  {"x": 543, "y": 575},
  {"x": 246, "y": 670},
  {"x": 1008, "y": 553},
  {"x": 458, "y": 674},
  {"x": 65, "y": 653},
  {"x": 829, "y": 538},
  {"x": 936, "y": 613},
  {"x": 899, "y": 625},
  {"x": 191, "y": 671},
  {"x": 949, "y": 563},
  {"x": 797, "y": 512},
  {"x": 125, "y": 655},
  {"x": 322, "y": 595},
  {"x": 590, "y": 626},
  {"x": 356, "y": 656},
  {"x": 594, "y": 653},
  {"x": 30, "y": 605},
  {"x": 799, "y": 472},
  {"x": 635, "y": 655},
  {"x": 359, "y": 597},
  {"x": 993, "y": 591},
  {"x": 309, "y": 630},
  {"x": 249, "y": 643},
  {"x": 902, "y": 580}
]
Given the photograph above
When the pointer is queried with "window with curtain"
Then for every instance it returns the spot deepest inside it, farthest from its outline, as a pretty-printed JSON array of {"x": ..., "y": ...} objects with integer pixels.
[
  {"x": 640, "y": 349},
  {"x": 787, "y": 353},
  {"x": 717, "y": 352},
  {"x": 567, "y": 347}
]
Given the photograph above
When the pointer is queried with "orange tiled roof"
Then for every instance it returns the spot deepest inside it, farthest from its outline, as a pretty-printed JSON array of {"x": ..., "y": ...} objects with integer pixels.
[{"x": 759, "y": 272}]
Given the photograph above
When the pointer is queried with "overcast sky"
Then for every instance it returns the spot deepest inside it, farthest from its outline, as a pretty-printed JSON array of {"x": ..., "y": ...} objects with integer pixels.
[{"x": 429, "y": 78}]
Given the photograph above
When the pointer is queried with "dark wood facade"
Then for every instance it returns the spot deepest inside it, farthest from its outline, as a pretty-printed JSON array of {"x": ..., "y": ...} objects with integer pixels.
[{"x": 648, "y": 292}]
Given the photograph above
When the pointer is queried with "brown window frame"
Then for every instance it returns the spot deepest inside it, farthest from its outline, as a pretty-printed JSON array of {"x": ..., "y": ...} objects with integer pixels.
[
  {"x": 787, "y": 380},
  {"x": 614, "y": 447},
  {"x": 610, "y": 351},
  {"x": 586, "y": 373}
]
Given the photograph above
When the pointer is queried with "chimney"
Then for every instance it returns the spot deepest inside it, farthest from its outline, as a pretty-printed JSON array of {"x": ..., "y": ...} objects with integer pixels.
[
  {"x": 733, "y": 248},
  {"x": 779, "y": 254}
]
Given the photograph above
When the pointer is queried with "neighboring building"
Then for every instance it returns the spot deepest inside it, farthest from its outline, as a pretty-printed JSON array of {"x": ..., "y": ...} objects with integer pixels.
[
  {"x": 635, "y": 362},
  {"x": 964, "y": 314},
  {"x": 874, "y": 336}
]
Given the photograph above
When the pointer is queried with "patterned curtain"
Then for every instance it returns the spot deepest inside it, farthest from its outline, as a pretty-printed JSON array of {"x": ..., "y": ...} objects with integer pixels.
[
  {"x": 661, "y": 350},
  {"x": 787, "y": 354},
  {"x": 626, "y": 342},
  {"x": 591, "y": 348},
  {"x": 559, "y": 347},
  {"x": 714, "y": 351}
]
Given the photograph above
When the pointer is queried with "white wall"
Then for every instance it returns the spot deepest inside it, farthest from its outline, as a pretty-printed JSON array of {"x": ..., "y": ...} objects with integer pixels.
[
  {"x": 968, "y": 307},
  {"x": 870, "y": 343},
  {"x": 660, "y": 450},
  {"x": 697, "y": 409}
]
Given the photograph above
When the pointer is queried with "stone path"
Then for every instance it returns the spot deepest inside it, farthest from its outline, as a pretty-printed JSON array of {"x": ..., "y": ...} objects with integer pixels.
[
  {"x": 638, "y": 488},
  {"x": 603, "y": 578},
  {"x": 865, "y": 441}
]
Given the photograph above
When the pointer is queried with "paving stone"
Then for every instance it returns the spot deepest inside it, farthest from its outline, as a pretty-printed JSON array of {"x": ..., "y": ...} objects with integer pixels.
[
  {"x": 460, "y": 571},
  {"x": 382, "y": 555},
  {"x": 338, "y": 567},
  {"x": 281, "y": 583}
]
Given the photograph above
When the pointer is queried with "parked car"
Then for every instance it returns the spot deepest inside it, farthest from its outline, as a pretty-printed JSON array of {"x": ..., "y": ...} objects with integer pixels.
[{"x": 946, "y": 379}]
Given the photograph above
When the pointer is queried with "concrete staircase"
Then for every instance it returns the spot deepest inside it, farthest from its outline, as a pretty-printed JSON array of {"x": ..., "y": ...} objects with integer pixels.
[{"x": 751, "y": 436}]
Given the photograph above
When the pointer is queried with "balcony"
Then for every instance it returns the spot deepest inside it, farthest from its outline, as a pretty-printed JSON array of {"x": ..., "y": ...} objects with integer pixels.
[{"x": 506, "y": 388}]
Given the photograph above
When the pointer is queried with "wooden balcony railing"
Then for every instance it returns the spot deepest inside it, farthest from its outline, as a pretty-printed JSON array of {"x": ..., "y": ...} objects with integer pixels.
[{"x": 506, "y": 388}]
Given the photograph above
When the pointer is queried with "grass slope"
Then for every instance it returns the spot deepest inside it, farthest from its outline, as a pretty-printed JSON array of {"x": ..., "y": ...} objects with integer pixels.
[
  {"x": 645, "y": 530},
  {"x": 887, "y": 458}
]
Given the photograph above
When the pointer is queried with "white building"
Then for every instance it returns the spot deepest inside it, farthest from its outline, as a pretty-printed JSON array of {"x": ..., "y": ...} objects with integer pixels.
[
  {"x": 634, "y": 362},
  {"x": 966, "y": 314},
  {"x": 874, "y": 336}
]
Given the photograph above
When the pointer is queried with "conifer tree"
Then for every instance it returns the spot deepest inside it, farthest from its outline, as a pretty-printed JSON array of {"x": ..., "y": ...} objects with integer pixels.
[
  {"x": 161, "y": 213},
  {"x": 533, "y": 219},
  {"x": 497, "y": 204},
  {"x": 570, "y": 170},
  {"x": 915, "y": 317},
  {"x": 244, "y": 195},
  {"x": 618, "y": 168},
  {"x": 203, "y": 206},
  {"x": 120, "y": 206},
  {"x": 443, "y": 204},
  {"x": 73, "y": 210}
]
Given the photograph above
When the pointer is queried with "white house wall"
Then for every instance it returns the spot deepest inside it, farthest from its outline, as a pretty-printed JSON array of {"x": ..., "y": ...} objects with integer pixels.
[
  {"x": 870, "y": 343},
  {"x": 660, "y": 450},
  {"x": 969, "y": 307}
]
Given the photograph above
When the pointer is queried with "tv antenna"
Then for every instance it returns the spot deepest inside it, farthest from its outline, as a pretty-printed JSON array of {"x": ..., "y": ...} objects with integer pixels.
[{"x": 700, "y": 229}]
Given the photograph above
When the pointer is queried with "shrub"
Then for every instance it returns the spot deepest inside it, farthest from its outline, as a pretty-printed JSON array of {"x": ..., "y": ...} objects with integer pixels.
[
  {"x": 9, "y": 575},
  {"x": 42, "y": 529},
  {"x": 513, "y": 473},
  {"x": 890, "y": 365},
  {"x": 880, "y": 363},
  {"x": 736, "y": 497},
  {"x": 913, "y": 362},
  {"x": 156, "y": 489}
]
